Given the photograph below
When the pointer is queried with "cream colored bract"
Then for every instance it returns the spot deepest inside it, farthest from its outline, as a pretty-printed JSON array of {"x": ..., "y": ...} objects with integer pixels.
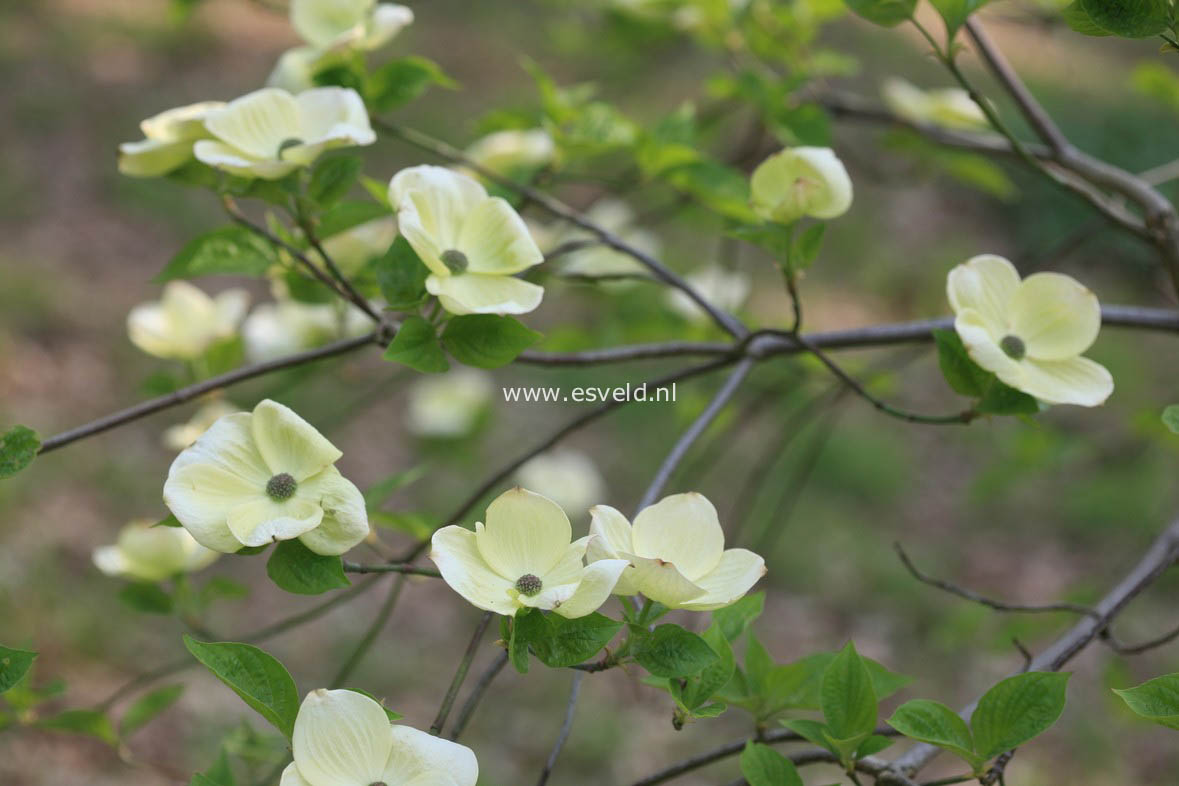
[
  {"x": 344, "y": 738},
  {"x": 676, "y": 550},
  {"x": 273, "y": 330},
  {"x": 168, "y": 140},
  {"x": 1030, "y": 333},
  {"x": 568, "y": 477},
  {"x": 181, "y": 435},
  {"x": 472, "y": 243},
  {"x": 801, "y": 181},
  {"x": 506, "y": 152},
  {"x": 254, "y": 478},
  {"x": 270, "y": 133},
  {"x": 450, "y": 404},
  {"x": 949, "y": 107},
  {"x": 521, "y": 558},
  {"x": 145, "y": 552},
  {"x": 185, "y": 321}
]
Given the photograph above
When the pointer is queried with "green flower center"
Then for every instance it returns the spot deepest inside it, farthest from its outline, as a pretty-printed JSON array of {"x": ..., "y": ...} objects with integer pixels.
[
  {"x": 455, "y": 260},
  {"x": 287, "y": 143},
  {"x": 281, "y": 487},
  {"x": 1013, "y": 347},
  {"x": 377, "y": 783},
  {"x": 529, "y": 585}
]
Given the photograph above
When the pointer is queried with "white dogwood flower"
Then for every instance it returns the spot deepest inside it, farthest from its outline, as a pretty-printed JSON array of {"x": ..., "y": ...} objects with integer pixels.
[
  {"x": 270, "y": 133},
  {"x": 521, "y": 558},
  {"x": 1030, "y": 333},
  {"x": 185, "y": 321},
  {"x": 949, "y": 107},
  {"x": 273, "y": 330},
  {"x": 801, "y": 181},
  {"x": 265, "y": 476},
  {"x": 568, "y": 477},
  {"x": 677, "y": 554},
  {"x": 506, "y": 152},
  {"x": 333, "y": 27},
  {"x": 144, "y": 552},
  {"x": 448, "y": 405},
  {"x": 472, "y": 243},
  {"x": 344, "y": 738},
  {"x": 168, "y": 140},
  {"x": 181, "y": 435},
  {"x": 725, "y": 289}
]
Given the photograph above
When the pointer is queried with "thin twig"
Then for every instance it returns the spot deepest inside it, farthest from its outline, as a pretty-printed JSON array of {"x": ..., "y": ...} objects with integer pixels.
[
  {"x": 477, "y": 693},
  {"x": 370, "y": 636},
  {"x": 563, "y": 734},
  {"x": 391, "y": 567},
  {"x": 346, "y": 285},
  {"x": 460, "y": 674}
]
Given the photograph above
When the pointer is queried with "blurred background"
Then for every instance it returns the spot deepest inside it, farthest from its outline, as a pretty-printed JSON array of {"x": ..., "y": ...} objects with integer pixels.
[{"x": 1052, "y": 509}]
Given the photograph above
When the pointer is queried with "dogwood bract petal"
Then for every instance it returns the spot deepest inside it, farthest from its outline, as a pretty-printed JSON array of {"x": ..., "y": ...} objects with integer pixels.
[
  {"x": 735, "y": 574},
  {"x": 495, "y": 239},
  {"x": 986, "y": 284},
  {"x": 524, "y": 533},
  {"x": 1055, "y": 316},
  {"x": 683, "y": 529},
  {"x": 473, "y": 293},
  {"x": 801, "y": 181},
  {"x": 288, "y": 443},
  {"x": 455, "y": 552},
  {"x": 341, "y": 738},
  {"x": 416, "y": 757}
]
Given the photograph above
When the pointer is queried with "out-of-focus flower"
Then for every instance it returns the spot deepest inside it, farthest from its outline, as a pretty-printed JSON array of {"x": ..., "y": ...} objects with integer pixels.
[
  {"x": 725, "y": 289},
  {"x": 168, "y": 140},
  {"x": 677, "y": 554},
  {"x": 472, "y": 243},
  {"x": 1030, "y": 333},
  {"x": 354, "y": 248},
  {"x": 507, "y": 152},
  {"x": 254, "y": 478},
  {"x": 182, "y": 435},
  {"x": 568, "y": 477},
  {"x": 448, "y": 405},
  {"x": 332, "y": 27},
  {"x": 801, "y": 181},
  {"x": 949, "y": 107},
  {"x": 523, "y": 558},
  {"x": 185, "y": 321},
  {"x": 617, "y": 218},
  {"x": 270, "y": 133},
  {"x": 273, "y": 330},
  {"x": 344, "y": 738},
  {"x": 144, "y": 552}
]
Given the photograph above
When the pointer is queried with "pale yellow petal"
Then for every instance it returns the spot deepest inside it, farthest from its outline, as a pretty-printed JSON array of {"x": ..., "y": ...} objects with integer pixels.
[
  {"x": 423, "y": 759},
  {"x": 659, "y": 581},
  {"x": 985, "y": 284},
  {"x": 258, "y": 123},
  {"x": 525, "y": 533},
  {"x": 801, "y": 181},
  {"x": 682, "y": 529},
  {"x": 341, "y": 738},
  {"x": 322, "y": 22},
  {"x": 432, "y": 203},
  {"x": 290, "y": 444},
  {"x": 982, "y": 346},
  {"x": 495, "y": 240},
  {"x": 151, "y": 158},
  {"x": 597, "y": 583},
  {"x": 1077, "y": 381},
  {"x": 388, "y": 19},
  {"x": 292, "y": 777},
  {"x": 454, "y": 551},
  {"x": 737, "y": 572},
  {"x": 237, "y": 162},
  {"x": 263, "y": 520},
  {"x": 332, "y": 115},
  {"x": 1055, "y": 316},
  {"x": 473, "y": 293},
  {"x": 345, "y": 518}
]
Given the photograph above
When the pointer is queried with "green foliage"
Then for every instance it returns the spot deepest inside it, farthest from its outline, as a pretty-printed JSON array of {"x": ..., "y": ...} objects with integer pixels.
[
  {"x": 14, "y": 665},
  {"x": 935, "y": 723},
  {"x": 968, "y": 378},
  {"x": 416, "y": 345},
  {"x": 955, "y": 13},
  {"x": 487, "y": 340},
  {"x": 345, "y": 215},
  {"x": 1077, "y": 18},
  {"x": 884, "y": 12},
  {"x": 733, "y": 620},
  {"x": 1156, "y": 700},
  {"x": 1016, "y": 710},
  {"x": 18, "y": 448},
  {"x": 1171, "y": 418},
  {"x": 257, "y": 677},
  {"x": 401, "y": 276},
  {"x": 671, "y": 651},
  {"x": 89, "y": 723},
  {"x": 763, "y": 766},
  {"x": 231, "y": 250},
  {"x": 1129, "y": 18},
  {"x": 168, "y": 521},
  {"x": 147, "y": 708},
  {"x": 147, "y": 598},
  {"x": 332, "y": 177},
  {"x": 558, "y": 642},
  {"x": 400, "y": 81},
  {"x": 848, "y": 702},
  {"x": 297, "y": 569},
  {"x": 378, "y": 493}
]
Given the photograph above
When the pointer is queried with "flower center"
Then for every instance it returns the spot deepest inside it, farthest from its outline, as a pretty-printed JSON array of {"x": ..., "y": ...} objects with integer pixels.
[
  {"x": 286, "y": 143},
  {"x": 281, "y": 487},
  {"x": 455, "y": 260},
  {"x": 377, "y": 783},
  {"x": 1013, "y": 347},
  {"x": 528, "y": 584}
]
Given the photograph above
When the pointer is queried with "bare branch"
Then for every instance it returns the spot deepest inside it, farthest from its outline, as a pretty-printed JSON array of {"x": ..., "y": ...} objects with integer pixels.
[
  {"x": 563, "y": 734},
  {"x": 460, "y": 674},
  {"x": 370, "y": 636},
  {"x": 481, "y": 686},
  {"x": 403, "y": 568}
]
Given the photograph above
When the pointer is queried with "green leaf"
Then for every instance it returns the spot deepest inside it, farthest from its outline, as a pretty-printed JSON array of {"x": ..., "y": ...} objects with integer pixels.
[
  {"x": 873, "y": 745},
  {"x": 487, "y": 340},
  {"x": 960, "y": 371},
  {"x": 736, "y": 618},
  {"x": 1129, "y": 18},
  {"x": 888, "y": 13},
  {"x": 390, "y": 714},
  {"x": 220, "y": 774},
  {"x": 345, "y": 215},
  {"x": 254, "y": 675},
  {"x": 528, "y": 624},
  {"x": 18, "y": 448},
  {"x": 1078, "y": 19},
  {"x": 203, "y": 780},
  {"x": 1016, "y": 710},
  {"x": 671, "y": 651},
  {"x": 401, "y": 81},
  {"x": 146, "y": 598},
  {"x": 416, "y": 345},
  {"x": 805, "y": 248},
  {"x": 810, "y": 730},
  {"x": 1171, "y": 418},
  {"x": 1001, "y": 399},
  {"x": 296, "y": 568},
  {"x": 169, "y": 521},
  {"x": 401, "y": 275},
  {"x": 846, "y": 696},
  {"x": 956, "y": 12},
  {"x": 232, "y": 250},
  {"x": 699, "y": 689},
  {"x": 566, "y": 642},
  {"x": 1156, "y": 700},
  {"x": 379, "y": 493},
  {"x": 936, "y": 724},
  {"x": 763, "y": 766},
  {"x": 88, "y": 722},
  {"x": 143, "y": 711},
  {"x": 14, "y": 665},
  {"x": 417, "y": 525},
  {"x": 331, "y": 177}
]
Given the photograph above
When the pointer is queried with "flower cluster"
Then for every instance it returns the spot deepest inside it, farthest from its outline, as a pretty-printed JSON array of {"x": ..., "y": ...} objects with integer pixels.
[
  {"x": 185, "y": 322},
  {"x": 145, "y": 551}
]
